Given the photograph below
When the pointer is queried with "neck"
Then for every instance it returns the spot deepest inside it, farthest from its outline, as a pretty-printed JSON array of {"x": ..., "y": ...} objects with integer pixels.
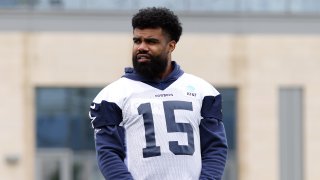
[{"x": 168, "y": 70}]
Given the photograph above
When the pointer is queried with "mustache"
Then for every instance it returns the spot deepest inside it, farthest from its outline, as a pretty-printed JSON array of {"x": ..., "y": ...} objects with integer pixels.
[{"x": 142, "y": 52}]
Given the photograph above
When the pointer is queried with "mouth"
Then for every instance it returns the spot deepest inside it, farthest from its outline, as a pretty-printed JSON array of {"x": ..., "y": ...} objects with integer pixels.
[{"x": 141, "y": 58}]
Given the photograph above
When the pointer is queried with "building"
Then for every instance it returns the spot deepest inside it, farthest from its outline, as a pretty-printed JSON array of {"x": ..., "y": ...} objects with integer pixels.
[{"x": 263, "y": 56}]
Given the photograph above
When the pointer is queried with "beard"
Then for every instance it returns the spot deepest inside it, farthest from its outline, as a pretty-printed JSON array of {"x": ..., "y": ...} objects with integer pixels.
[{"x": 152, "y": 69}]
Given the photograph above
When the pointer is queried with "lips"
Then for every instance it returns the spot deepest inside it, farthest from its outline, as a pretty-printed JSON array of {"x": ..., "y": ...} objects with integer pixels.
[{"x": 143, "y": 58}]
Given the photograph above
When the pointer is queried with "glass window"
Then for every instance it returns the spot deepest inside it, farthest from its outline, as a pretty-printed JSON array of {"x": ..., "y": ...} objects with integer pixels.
[
  {"x": 311, "y": 6},
  {"x": 246, "y": 6},
  {"x": 229, "y": 108},
  {"x": 263, "y": 5},
  {"x": 65, "y": 145},
  {"x": 8, "y": 3},
  {"x": 215, "y": 5},
  {"x": 62, "y": 118}
]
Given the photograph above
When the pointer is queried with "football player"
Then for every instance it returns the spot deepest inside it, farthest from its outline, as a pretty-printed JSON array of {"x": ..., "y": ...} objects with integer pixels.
[{"x": 157, "y": 122}]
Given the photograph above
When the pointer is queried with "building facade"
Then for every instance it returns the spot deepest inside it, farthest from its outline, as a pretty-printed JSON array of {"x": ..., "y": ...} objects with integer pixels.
[{"x": 264, "y": 61}]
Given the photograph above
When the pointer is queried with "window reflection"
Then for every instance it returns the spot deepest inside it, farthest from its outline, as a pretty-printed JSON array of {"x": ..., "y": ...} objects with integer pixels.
[
  {"x": 229, "y": 108},
  {"x": 62, "y": 118},
  {"x": 65, "y": 146}
]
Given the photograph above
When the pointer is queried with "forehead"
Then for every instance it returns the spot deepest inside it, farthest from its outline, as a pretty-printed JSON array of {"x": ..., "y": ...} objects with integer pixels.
[{"x": 148, "y": 33}]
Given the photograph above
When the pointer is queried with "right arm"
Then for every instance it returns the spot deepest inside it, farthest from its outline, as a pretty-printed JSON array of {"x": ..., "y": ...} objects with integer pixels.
[{"x": 109, "y": 140}]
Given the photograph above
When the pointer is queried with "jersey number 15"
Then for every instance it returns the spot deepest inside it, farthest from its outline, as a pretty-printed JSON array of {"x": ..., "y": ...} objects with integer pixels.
[{"x": 151, "y": 148}]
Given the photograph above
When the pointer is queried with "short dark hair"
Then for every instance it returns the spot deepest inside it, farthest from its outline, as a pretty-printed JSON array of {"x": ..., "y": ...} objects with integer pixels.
[{"x": 155, "y": 17}]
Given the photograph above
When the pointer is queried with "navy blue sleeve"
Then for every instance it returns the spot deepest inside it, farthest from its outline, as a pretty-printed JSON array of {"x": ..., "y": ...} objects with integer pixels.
[
  {"x": 213, "y": 139},
  {"x": 109, "y": 140}
]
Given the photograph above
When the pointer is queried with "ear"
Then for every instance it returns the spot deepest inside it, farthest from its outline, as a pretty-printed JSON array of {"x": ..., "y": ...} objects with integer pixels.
[{"x": 172, "y": 45}]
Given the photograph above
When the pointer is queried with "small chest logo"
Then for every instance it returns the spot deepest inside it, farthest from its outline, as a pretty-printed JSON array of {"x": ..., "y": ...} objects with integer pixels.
[
  {"x": 163, "y": 95},
  {"x": 191, "y": 91},
  {"x": 191, "y": 94}
]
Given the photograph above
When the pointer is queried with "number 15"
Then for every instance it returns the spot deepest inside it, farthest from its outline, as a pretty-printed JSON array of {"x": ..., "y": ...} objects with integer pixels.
[{"x": 151, "y": 149}]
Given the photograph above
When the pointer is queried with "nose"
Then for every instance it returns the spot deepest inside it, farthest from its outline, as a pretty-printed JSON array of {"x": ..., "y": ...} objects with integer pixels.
[{"x": 142, "y": 47}]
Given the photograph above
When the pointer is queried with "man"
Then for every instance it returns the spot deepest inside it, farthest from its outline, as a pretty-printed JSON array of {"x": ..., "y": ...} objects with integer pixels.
[{"x": 157, "y": 122}]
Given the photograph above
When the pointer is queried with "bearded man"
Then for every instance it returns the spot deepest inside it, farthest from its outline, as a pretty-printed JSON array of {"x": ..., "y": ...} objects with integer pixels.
[{"x": 157, "y": 122}]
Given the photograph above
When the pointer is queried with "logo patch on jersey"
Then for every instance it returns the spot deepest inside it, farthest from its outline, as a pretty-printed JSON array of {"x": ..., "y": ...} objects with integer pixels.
[
  {"x": 163, "y": 95},
  {"x": 190, "y": 88},
  {"x": 191, "y": 91}
]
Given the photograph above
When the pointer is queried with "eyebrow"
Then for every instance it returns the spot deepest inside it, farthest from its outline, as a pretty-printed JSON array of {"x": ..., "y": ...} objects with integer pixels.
[{"x": 150, "y": 39}]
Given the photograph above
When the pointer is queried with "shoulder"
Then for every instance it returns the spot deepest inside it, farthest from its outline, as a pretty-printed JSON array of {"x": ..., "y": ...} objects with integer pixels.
[
  {"x": 200, "y": 85},
  {"x": 114, "y": 92}
]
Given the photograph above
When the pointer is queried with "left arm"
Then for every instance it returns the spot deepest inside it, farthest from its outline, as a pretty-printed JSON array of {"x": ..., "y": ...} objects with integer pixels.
[{"x": 213, "y": 139}]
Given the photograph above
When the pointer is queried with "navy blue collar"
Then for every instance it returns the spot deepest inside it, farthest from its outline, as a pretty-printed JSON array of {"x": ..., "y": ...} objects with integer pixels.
[{"x": 130, "y": 73}]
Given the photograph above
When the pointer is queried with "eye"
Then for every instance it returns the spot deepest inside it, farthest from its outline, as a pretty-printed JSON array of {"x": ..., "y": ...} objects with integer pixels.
[
  {"x": 136, "y": 41},
  {"x": 152, "y": 41}
]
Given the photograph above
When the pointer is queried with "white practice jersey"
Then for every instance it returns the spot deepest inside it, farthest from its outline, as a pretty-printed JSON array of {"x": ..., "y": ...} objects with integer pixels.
[{"x": 161, "y": 126}]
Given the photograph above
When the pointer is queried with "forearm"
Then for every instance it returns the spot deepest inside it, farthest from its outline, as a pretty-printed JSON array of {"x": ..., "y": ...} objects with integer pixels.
[
  {"x": 111, "y": 153},
  {"x": 213, "y": 149}
]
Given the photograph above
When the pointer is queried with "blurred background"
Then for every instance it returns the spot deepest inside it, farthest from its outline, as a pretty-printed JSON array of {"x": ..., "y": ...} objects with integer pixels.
[{"x": 262, "y": 55}]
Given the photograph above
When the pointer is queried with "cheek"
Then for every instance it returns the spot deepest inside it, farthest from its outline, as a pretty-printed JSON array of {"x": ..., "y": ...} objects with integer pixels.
[
  {"x": 134, "y": 49},
  {"x": 158, "y": 50},
  {"x": 166, "y": 51}
]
